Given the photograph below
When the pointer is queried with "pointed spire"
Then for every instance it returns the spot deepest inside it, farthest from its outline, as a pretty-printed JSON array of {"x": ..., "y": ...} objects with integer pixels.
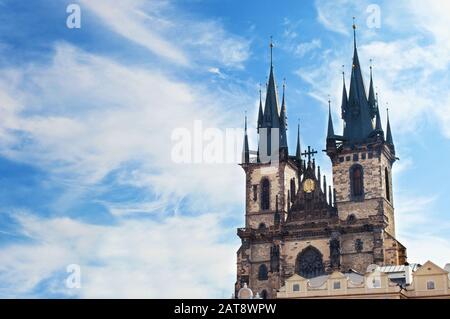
[
  {"x": 354, "y": 32},
  {"x": 378, "y": 126},
  {"x": 344, "y": 106},
  {"x": 298, "y": 151},
  {"x": 389, "y": 139},
  {"x": 330, "y": 134},
  {"x": 359, "y": 125},
  {"x": 372, "y": 101},
  {"x": 271, "y": 112},
  {"x": 283, "y": 114},
  {"x": 260, "y": 111},
  {"x": 245, "y": 150}
]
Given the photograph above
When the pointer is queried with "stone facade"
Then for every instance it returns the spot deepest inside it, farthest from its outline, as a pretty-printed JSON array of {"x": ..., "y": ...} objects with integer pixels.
[
  {"x": 362, "y": 227},
  {"x": 295, "y": 223}
]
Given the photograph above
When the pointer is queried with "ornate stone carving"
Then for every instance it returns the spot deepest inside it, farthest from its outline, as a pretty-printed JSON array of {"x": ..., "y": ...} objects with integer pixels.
[{"x": 335, "y": 253}]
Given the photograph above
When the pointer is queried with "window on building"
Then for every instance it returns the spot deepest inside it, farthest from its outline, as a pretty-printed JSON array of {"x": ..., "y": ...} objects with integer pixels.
[
  {"x": 356, "y": 177},
  {"x": 359, "y": 245},
  {"x": 376, "y": 283},
  {"x": 430, "y": 285},
  {"x": 292, "y": 189},
  {"x": 295, "y": 287},
  {"x": 351, "y": 218},
  {"x": 255, "y": 193},
  {"x": 262, "y": 226},
  {"x": 337, "y": 285},
  {"x": 262, "y": 272},
  {"x": 309, "y": 263},
  {"x": 265, "y": 196},
  {"x": 386, "y": 181}
]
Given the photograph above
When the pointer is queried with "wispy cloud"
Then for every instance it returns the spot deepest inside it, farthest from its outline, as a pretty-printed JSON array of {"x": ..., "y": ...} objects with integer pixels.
[
  {"x": 103, "y": 133},
  {"x": 130, "y": 19},
  {"x": 159, "y": 27},
  {"x": 113, "y": 117},
  {"x": 180, "y": 257}
]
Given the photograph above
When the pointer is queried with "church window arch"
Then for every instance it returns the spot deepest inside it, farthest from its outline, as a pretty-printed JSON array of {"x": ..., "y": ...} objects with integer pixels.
[
  {"x": 309, "y": 263},
  {"x": 265, "y": 194},
  {"x": 357, "y": 181},
  {"x": 351, "y": 218},
  {"x": 262, "y": 272}
]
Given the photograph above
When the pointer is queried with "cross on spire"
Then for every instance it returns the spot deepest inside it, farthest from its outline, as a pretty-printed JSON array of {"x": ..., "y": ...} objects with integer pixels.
[{"x": 310, "y": 153}]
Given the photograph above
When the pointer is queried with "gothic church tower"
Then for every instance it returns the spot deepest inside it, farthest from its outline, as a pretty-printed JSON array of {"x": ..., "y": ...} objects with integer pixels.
[{"x": 294, "y": 222}]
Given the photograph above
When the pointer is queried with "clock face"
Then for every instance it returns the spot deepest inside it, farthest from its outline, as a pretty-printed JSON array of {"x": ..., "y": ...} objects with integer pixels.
[{"x": 308, "y": 185}]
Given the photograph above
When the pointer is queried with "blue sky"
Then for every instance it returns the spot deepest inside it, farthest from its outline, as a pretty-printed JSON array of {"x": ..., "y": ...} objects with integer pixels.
[{"x": 87, "y": 115}]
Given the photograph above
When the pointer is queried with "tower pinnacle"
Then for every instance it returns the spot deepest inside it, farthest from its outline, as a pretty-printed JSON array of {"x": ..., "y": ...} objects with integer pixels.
[{"x": 245, "y": 150}]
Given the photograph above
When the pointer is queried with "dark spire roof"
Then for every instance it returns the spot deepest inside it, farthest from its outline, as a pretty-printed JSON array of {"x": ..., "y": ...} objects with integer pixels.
[
  {"x": 358, "y": 123},
  {"x": 389, "y": 139},
  {"x": 298, "y": 151},
  {"x": 344, "y": 103},
  {"x": 372, "y": 101},
  {"x": 283, "y": 121},
  {"x": 330, "y": 133},
  {"x": 378, "y": 127},
  {"x": 245, "y": 150},
  {"x": 283, "y": 114},
  {"x": 271, "y": 114},
  {"x": 260, "y": 111}
]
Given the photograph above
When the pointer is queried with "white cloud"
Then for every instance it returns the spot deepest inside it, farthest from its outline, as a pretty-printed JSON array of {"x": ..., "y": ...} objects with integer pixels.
[
  {"x": 305, "y": 47},
  {"x": 336, "y": 15},
  {"x": 129, "y": 19},
  {"x": 180, "y": 257},
  {"x": 158, "y": 27},
  {"x": 106, "y": 115},
  {"x": 83, "y": 116}
]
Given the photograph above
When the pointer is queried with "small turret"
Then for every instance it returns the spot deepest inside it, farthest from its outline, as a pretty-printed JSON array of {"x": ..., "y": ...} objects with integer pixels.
[{"x": 245, "y": 149}]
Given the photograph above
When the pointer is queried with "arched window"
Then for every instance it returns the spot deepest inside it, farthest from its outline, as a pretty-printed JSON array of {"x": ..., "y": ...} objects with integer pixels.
[
  {"x": 309, "y": 263},
  {"x": 386, "y": 181},
  {"x": 262, "y": 226},
  {"x": 265, "y": 194},
  {"x": 351, "y": 218},
  {"x": 262, "y": 272},
  {"x": 357, "y": 181}
]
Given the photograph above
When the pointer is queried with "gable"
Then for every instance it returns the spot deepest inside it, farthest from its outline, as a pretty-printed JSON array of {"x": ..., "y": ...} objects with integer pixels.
[{"x": 430, "y": 268}]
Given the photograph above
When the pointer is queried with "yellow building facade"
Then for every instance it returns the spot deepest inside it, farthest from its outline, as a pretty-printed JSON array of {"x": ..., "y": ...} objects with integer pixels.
[{"x": 428, "y": 281}]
